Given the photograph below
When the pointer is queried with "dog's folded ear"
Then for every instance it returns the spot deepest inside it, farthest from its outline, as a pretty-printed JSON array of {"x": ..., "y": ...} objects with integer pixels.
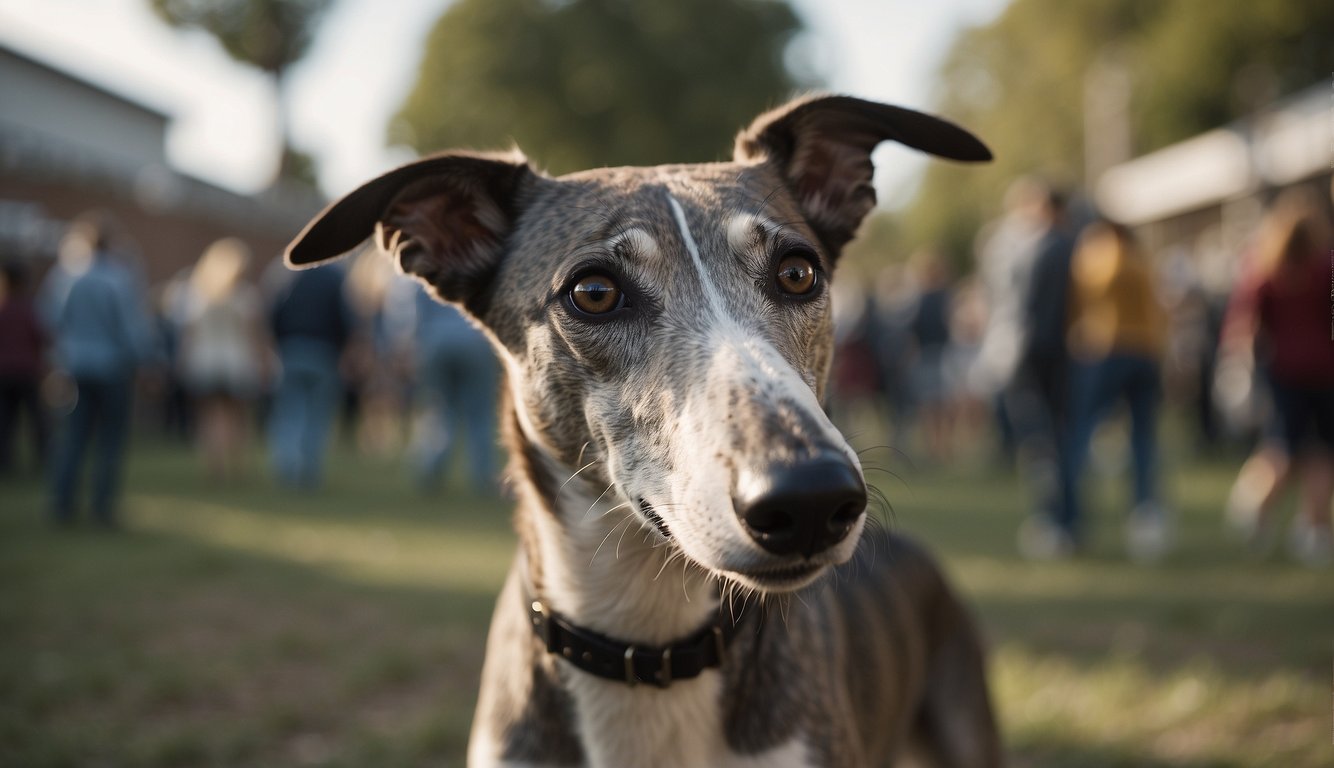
[
  {"x": 443, "y": 219},
  {"x": 822, "y": 146}
]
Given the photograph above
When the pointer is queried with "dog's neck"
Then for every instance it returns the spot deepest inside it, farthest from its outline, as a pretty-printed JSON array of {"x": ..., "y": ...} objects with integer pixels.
[
  {"x": 637, "y": 589},
  {"x": 590, "y": 558}
]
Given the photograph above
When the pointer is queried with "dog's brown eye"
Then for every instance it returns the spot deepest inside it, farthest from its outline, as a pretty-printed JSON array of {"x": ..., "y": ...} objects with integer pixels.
[
  {"x": 796, "y": 275},
  {"x": 595, "y": 295}
]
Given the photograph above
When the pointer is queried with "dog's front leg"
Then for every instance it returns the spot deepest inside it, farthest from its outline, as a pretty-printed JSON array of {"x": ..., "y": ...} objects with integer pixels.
[{"x": 523, "y": 719}]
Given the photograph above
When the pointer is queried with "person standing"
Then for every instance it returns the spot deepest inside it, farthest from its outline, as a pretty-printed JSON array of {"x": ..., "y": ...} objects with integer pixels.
[
  {"x": 1035, "y": 398},
  {"x": 1118, "y": 330},
  {"x": 929, "y": 326},
  {"x": 458, "y": 374},
  {"x": 1281, "y": 315},
  {"x": 1005, "y": 252},
  {"x": 22, "y": 355},
  {"x": 222, "y": 354},
  {"x": 95, "y": 311},
  {"x": 311, "y": 322}
]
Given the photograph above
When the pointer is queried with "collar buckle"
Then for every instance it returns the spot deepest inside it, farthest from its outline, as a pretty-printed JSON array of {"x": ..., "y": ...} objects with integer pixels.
[
  {"x": 542, "y": 623},
  {"x": 630, "y": 678},
  {"x": 665, "y": 672}
]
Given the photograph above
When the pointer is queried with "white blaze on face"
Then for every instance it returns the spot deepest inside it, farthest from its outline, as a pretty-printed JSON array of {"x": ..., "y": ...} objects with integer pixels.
[
  {"x": 745, "y": 383},
  {"x": 711, "y": 294}
]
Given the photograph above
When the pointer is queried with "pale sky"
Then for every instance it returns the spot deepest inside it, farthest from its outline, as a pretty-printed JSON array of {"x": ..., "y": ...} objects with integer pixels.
[{"x": 364, "y": 61}]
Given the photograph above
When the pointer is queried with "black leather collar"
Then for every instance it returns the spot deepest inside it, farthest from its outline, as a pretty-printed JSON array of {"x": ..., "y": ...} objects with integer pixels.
[{"x": 631, "y": 664}]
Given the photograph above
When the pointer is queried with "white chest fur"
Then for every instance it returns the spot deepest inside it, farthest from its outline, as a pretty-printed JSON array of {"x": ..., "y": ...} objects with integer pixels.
[
  {"x": 618, "y": 585},
  {"x": 677, "y": 727}
]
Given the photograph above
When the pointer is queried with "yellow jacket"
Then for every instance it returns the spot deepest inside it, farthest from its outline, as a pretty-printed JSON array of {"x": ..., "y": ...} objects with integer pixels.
[{"x": 1114, "y": 306}]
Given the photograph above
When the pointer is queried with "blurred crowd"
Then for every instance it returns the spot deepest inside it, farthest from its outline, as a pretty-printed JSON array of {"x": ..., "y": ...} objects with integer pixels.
[
  {"x": 222, "y": 350},
  {"x": 1065, "y": 322}
]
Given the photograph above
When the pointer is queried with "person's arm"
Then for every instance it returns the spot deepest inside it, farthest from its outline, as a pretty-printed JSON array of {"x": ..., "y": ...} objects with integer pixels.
[
  {"x": 1241, "y": 319},
  {"x": 136, "y": 328}
]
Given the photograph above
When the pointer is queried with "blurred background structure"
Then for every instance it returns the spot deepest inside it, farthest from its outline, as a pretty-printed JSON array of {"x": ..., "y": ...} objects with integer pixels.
[{"x": 282, "y": 592}]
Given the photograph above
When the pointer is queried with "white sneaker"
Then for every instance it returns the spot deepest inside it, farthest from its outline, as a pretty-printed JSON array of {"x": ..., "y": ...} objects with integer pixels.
[
  {"x": 1310, "y": 545},
  {"x": 1148, "y": 533},
  {"x": 1040, "y": 539}
]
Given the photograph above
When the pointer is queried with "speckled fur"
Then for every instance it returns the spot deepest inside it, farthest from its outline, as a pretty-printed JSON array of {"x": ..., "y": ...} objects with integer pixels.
[{"x": 707, "y": 376}]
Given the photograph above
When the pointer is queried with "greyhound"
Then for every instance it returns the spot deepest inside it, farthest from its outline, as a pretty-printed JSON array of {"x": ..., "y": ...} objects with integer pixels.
[{"x": 693, "y": 586}]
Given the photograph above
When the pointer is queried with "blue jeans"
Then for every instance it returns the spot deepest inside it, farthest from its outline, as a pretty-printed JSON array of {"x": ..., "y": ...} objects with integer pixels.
[
  {"x": 303, "y": 411},
  {"x": 101, "y": 415},
  {"x": 1035, "y": 406},
  {"x": 1095, "y": 389},
  {"x": 459, "y": 379}
]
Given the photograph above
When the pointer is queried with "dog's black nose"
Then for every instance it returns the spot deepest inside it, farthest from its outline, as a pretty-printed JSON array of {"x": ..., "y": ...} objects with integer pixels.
[{"x": 803, "y": 508}]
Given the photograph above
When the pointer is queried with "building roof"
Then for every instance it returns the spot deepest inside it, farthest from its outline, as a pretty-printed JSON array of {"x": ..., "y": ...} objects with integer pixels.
[
  {"x": 1285, "y": 143},
  {"x": 78, "y": 82}
]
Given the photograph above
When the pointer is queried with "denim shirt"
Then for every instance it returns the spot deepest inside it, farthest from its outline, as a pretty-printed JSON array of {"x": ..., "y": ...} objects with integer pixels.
[{"x": 98, "y": 322}]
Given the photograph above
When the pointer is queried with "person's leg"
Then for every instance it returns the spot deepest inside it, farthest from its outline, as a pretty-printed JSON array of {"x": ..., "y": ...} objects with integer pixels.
[
  {"x": 478, "y": 396},
  {"x": 1313, "y": 540},
  {"x": 1142, "y": 392},
  {"x": 38, "y": 424},
  {"x": 324, "y": 392},
  {"x": 237, "y": 435},
  {"x": 434, "y": 388},
  {"x": 1093, "y": 386},
  {"x": 1148, "y": 533},
  {"x": 1257, "y": 488},
  {"x": 212, "y": 424},
  {"x": 1263, "y": 477},
  {"x": 286, "y": 417},
  {"x": 1317, "y": 488},
  {"x": 113, "y": 431},
  {"x": 68, "y": 459},
  {"x": 1051, "y": 530},
  {"x": 9, "y": 411}
]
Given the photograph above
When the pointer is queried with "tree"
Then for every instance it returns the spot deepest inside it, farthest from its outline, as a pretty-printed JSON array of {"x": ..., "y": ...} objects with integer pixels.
[
  {"x": 582, "y": 83},
  {"x": 1020, "y": 83},
  {"x": 270, "y": 35}
]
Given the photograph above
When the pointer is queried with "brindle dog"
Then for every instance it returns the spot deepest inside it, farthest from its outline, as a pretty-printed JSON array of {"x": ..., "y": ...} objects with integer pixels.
[{"x": 666, "y": 335}]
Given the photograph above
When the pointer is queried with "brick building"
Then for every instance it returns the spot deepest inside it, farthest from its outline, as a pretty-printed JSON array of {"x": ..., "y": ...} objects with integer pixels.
[{"x": 68, "y": 145}]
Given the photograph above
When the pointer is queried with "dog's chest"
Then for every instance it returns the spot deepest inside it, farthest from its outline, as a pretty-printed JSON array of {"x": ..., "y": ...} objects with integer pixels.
[{"x": 678, "y": 727}]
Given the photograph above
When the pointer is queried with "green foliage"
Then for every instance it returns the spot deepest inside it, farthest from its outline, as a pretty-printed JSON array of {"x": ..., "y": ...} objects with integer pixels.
[
  {"x": 1203, "y": 64},
  {"x": 300, "y": 168},
  {"x": 268, "y": 34},
  {"x": 583, "y": 83},
  {"x": 1019, "y": 82}
]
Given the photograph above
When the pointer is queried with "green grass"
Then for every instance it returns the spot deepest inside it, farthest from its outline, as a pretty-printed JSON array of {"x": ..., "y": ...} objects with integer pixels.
[{"x": 244, "y": 625}]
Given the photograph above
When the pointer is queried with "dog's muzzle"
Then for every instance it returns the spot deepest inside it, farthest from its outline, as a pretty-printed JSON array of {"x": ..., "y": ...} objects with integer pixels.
[{"x": 802, "y": 508}]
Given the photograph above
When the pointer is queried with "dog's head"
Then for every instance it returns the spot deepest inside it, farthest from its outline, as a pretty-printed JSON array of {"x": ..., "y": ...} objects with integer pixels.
[{"x": 665, "y": 330}]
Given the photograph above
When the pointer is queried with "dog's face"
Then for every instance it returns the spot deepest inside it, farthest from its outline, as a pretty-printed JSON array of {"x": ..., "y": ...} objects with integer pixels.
[
  {"x": 666, "y": 331},
  {"x": 675, "y": 338}
]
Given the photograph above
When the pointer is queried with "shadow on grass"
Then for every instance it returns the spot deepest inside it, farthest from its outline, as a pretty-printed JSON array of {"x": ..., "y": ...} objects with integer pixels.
[
  {"x": 1247, "y": 637},
  {"x": 1056, "y": 752},
  {"x": 163, "y": 648},
  {"x": 242, "y": 625}
]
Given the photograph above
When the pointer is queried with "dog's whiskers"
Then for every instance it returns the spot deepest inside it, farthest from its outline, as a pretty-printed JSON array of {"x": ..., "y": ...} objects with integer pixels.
[
  {"x": 577, "y": 471},
  {"x": 667, "y": 557},
  {"x": 623, "y": 532},
  {"x": 622, "y": 505},
  {"x": 595, "y": 501},
  {"x": 623, "y": 521}
]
